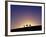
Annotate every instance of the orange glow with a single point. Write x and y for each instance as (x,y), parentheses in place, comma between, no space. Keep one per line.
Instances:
(25,21)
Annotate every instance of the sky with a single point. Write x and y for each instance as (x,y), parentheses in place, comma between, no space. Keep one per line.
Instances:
(22,15)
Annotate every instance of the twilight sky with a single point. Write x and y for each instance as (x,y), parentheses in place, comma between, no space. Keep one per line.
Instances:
(22,15)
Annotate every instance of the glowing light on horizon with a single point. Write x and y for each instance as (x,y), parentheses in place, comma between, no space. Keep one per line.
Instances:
(25,21)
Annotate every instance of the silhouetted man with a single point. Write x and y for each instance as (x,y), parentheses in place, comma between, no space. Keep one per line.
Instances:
(30,25)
